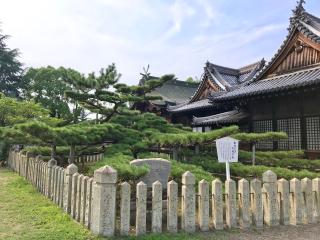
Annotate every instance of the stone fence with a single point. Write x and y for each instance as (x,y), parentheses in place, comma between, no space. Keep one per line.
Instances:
(105,206)
(89,158)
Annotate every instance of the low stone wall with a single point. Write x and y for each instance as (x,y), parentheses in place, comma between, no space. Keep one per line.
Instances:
(89,158)
(103,205)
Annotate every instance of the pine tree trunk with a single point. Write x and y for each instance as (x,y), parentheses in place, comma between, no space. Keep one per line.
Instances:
(53,151)
(72,154)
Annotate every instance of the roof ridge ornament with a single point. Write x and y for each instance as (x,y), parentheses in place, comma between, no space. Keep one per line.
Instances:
(298,14)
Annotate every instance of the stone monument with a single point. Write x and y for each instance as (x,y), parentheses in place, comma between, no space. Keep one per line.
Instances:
(159,170)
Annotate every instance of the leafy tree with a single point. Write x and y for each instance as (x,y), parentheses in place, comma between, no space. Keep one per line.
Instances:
(13,111)
(104,95)
(46,86)
(10,69)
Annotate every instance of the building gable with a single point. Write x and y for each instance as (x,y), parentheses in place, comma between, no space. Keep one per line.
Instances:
(298,53)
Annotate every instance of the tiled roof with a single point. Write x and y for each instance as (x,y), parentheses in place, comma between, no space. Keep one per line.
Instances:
(297,79)
(236,76)
(174,92)
(225,78)
(226,117)
(301,21)
(190,106)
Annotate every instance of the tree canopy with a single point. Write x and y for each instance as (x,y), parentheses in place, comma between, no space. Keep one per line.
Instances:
(11,81)
(46,86)
(104,95)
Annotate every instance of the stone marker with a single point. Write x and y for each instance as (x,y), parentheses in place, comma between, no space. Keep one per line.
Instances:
(104,201)
(67,189)
(203,205)
(295,201)
(306,186)
(188,205)
(217,204)
(159,170)
(244,203)
(270,199)
(156,207)
(172,207)
(125,209)
(283,199)
(141,203)
(316,202)
(231,203)
(256,203)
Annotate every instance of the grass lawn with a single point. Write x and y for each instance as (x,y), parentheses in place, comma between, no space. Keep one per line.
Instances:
(26,214)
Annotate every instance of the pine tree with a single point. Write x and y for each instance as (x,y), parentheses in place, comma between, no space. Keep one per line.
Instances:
(11,70)
(104,95)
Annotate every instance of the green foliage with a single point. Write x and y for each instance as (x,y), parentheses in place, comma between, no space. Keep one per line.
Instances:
(118,157)
(191,138)
(13,111)
(10,69)
(179,168)
(103,94)
(256,137)
(240,170)
(265,156)
(286,159)
(46,86)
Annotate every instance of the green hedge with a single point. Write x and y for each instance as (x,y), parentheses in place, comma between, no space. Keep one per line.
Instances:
(240,170)
(119,156)
(185,139)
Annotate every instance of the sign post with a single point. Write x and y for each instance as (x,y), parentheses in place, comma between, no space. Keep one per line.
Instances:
(228,150)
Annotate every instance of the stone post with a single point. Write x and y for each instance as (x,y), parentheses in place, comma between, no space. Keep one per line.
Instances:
(306,186)
(231,202)
(104,201)
(295,202)
(316,192)
(52,163)
(67,189)
(172,207)
(188,205)
(87,217)
(27,165)
(156,207)
(270,198)
(283,201)
(125,209)
(62,174)
(203,205)
(175,153)
(217,204)
(141,208)
(78,202)
(83,199)
(244,203)
(256,203)
(74,196)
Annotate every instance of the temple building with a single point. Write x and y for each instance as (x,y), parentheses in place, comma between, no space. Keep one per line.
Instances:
(215,79)
(173,92)
(282,95)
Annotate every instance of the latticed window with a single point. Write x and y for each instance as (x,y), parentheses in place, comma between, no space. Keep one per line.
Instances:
(292,127)
(261,127)
(313,133)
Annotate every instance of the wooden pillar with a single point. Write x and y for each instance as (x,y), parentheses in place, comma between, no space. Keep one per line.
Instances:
(303,125)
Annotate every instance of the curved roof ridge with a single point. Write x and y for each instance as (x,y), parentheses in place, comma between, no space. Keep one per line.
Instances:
(298,22)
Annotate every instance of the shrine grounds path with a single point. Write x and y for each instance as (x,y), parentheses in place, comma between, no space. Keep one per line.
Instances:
(26,214)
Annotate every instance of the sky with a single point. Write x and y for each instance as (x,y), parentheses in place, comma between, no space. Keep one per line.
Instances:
(172,36)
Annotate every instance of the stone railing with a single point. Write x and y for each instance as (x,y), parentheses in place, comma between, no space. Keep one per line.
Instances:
(96,203)
(89,158)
